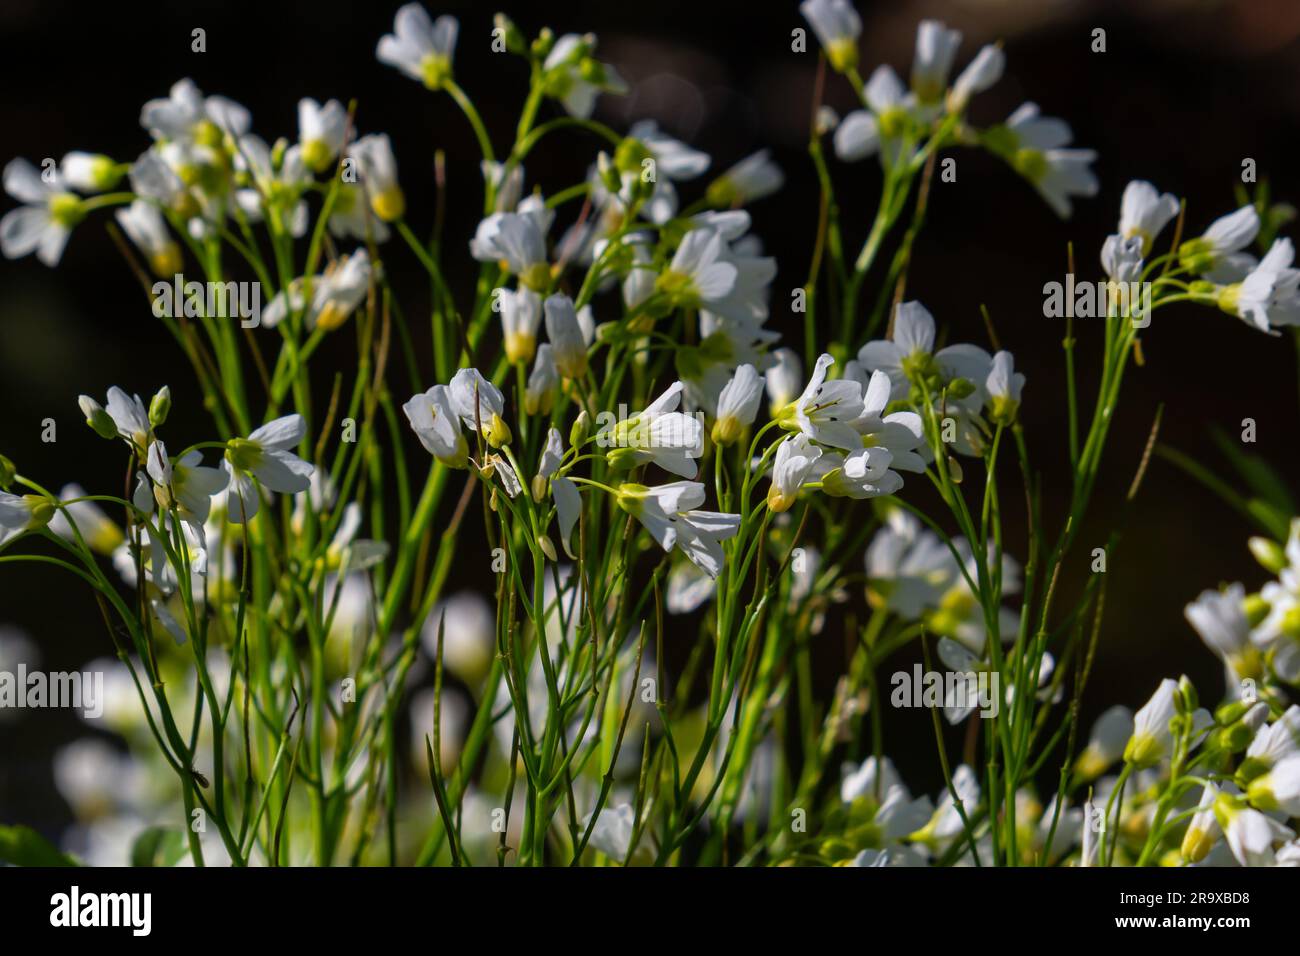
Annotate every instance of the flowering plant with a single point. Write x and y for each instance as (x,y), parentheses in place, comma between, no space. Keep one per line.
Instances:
(275,588)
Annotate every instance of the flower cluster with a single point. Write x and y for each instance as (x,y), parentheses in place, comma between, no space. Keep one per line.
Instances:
(613,386)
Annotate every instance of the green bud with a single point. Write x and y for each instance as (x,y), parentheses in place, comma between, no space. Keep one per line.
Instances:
(1270,554)
(7,472)
(160,406)
(97,418)
(581,427)
(1228,714)
(608,172)
(1187,699)
(542,45)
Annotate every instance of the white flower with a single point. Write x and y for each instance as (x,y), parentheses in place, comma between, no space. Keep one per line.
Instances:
(1122,258)
(871,779)
(886,126)
(1276,741)
(277,188)
(907,358)
(100,532)
(1278,788)
(437,425)
(980,74)
(265,456)
(419,47)
(521,314)
(1279,633)
(908,567)
(570,336)
(826,410)
(518,241)
(688,588)
(1034,146)
(131,417)
(899,433)
(46,218)
(335,295)
(936,47)
(575,79)
(186,483)
(145,227)
(1203,831)
(1152,736)
(350,216)
(782,380)
(659,434)
(480,405)
(864,473)
(152,179)
(837,26)
(1144,212)
(1003,386)
(751,179)
(1270,295)
(669,512)
(1217,254)
(737,405)
(1220,619)
(321,132)
(1106,742)
(698,275)
(378,168)
(673,161)
(90,172)
(791,468)
(22,513)
(543,382)
(186,116)
(1251,835)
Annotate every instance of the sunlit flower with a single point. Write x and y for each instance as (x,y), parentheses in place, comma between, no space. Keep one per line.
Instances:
(264,458)
(419,47)
(49,212)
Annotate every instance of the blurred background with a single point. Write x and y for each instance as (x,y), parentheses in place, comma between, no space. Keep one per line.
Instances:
(1185,90)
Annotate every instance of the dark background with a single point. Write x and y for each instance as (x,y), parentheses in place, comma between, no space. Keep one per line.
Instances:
(1184,92)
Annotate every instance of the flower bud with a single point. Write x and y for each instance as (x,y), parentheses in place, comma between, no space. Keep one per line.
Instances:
(7,472)
(160,406)
(1268,553)
(97,418)
(581,427)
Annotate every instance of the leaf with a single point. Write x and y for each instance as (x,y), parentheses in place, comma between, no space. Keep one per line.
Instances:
(158,846)
(23,846)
